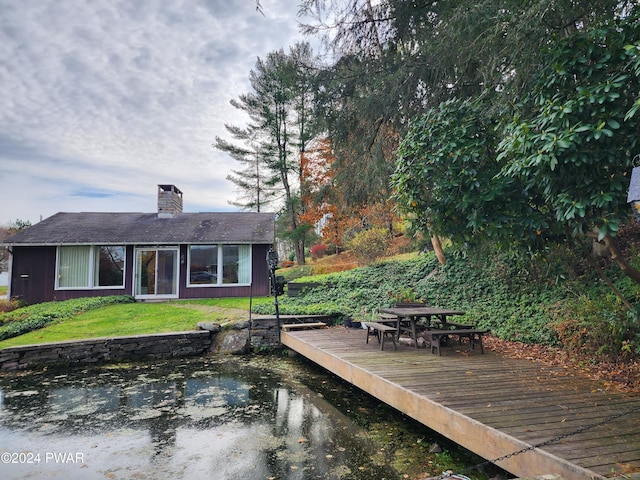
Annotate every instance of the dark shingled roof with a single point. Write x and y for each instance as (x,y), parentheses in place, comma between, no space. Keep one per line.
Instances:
(148,228)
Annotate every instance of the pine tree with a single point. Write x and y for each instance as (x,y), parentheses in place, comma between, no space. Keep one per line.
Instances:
(279,108)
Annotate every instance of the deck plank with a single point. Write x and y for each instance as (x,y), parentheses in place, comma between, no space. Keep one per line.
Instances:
(490,404)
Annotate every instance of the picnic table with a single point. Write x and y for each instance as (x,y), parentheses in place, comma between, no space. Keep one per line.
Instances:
(408,317)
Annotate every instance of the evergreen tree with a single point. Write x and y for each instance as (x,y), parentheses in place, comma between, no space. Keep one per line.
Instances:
(279,108)
(255,187)
(397,59)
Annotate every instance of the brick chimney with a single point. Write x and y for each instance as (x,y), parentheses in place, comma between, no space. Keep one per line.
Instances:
(169,201)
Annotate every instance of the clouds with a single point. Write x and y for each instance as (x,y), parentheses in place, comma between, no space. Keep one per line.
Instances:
(102,100)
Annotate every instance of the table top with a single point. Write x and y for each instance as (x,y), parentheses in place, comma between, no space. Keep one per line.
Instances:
(420,311)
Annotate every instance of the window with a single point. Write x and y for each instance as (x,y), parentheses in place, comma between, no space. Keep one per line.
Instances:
(230,264)
(203,264)
(219,265)
(109,268)
(73,267)
(157,271)
(91,267)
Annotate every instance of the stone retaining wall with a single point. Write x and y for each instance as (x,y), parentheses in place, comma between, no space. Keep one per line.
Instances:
(241,338)
(162,345)
(264,333)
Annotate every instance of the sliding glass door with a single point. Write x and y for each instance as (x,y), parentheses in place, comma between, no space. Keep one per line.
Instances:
(157,273)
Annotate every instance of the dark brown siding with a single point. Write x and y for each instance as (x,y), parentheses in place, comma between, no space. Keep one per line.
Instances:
(33,277)
(260,270)
(33,273)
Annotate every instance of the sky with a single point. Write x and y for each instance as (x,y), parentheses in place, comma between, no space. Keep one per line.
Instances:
(103,100)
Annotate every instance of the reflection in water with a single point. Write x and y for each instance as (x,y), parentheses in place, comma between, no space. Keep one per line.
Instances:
(192,419)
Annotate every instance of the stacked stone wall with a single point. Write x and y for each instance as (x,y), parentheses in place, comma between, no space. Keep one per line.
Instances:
(264,333)
(261,333)
(164,345)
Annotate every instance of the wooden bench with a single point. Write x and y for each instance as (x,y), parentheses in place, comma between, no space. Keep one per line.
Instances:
(390,321)
(456,325)
(474,335)
(381,332)
(303,326)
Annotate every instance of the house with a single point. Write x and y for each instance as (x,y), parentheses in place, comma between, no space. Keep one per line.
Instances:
(163,255)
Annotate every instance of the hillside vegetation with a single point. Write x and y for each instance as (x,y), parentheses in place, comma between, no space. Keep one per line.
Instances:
(556,299)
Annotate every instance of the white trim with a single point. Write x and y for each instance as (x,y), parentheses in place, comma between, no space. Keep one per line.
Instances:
(10,273)
(220,266)
(157,296)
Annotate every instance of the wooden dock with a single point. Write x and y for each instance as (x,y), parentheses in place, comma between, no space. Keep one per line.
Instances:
(490,404)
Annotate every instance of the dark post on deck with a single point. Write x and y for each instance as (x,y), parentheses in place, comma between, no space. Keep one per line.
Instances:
(272,262)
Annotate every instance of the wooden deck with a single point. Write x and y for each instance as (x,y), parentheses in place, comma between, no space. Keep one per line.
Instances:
(490,404)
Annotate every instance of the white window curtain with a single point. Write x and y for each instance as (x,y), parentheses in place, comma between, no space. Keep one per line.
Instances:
(244,263)
(73,267)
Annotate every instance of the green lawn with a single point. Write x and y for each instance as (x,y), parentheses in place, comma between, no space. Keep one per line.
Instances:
(136,319)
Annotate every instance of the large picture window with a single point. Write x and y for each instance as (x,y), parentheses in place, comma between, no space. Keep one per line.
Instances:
(219,265)
(109,267)
(96,266)
(203,264)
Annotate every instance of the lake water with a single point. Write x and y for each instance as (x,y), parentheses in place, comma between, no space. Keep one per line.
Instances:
(197,419)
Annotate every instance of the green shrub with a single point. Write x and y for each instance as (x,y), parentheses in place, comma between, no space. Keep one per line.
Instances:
(485,287)
(33,317)
(369,245)
(495,294)
(596,327)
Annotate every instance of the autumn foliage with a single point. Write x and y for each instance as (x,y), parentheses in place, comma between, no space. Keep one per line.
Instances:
(325,203)
(318,251)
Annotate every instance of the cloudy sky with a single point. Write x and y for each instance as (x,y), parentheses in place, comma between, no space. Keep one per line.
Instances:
(102,100)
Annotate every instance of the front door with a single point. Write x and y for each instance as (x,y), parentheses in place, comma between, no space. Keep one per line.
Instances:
(156,273)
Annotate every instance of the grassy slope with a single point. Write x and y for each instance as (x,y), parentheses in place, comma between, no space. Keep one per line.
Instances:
(136,319)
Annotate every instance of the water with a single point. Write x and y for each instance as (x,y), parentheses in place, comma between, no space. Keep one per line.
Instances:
(196,419)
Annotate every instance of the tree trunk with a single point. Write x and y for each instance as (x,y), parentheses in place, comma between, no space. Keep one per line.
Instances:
(612,245)
(437,247)
(608,281)
(299,248)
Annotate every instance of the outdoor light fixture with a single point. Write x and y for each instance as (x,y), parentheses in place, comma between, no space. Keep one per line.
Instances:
(633,197)
(272,262)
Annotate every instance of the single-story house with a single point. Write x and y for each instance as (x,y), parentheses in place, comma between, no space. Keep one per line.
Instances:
(163,255)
